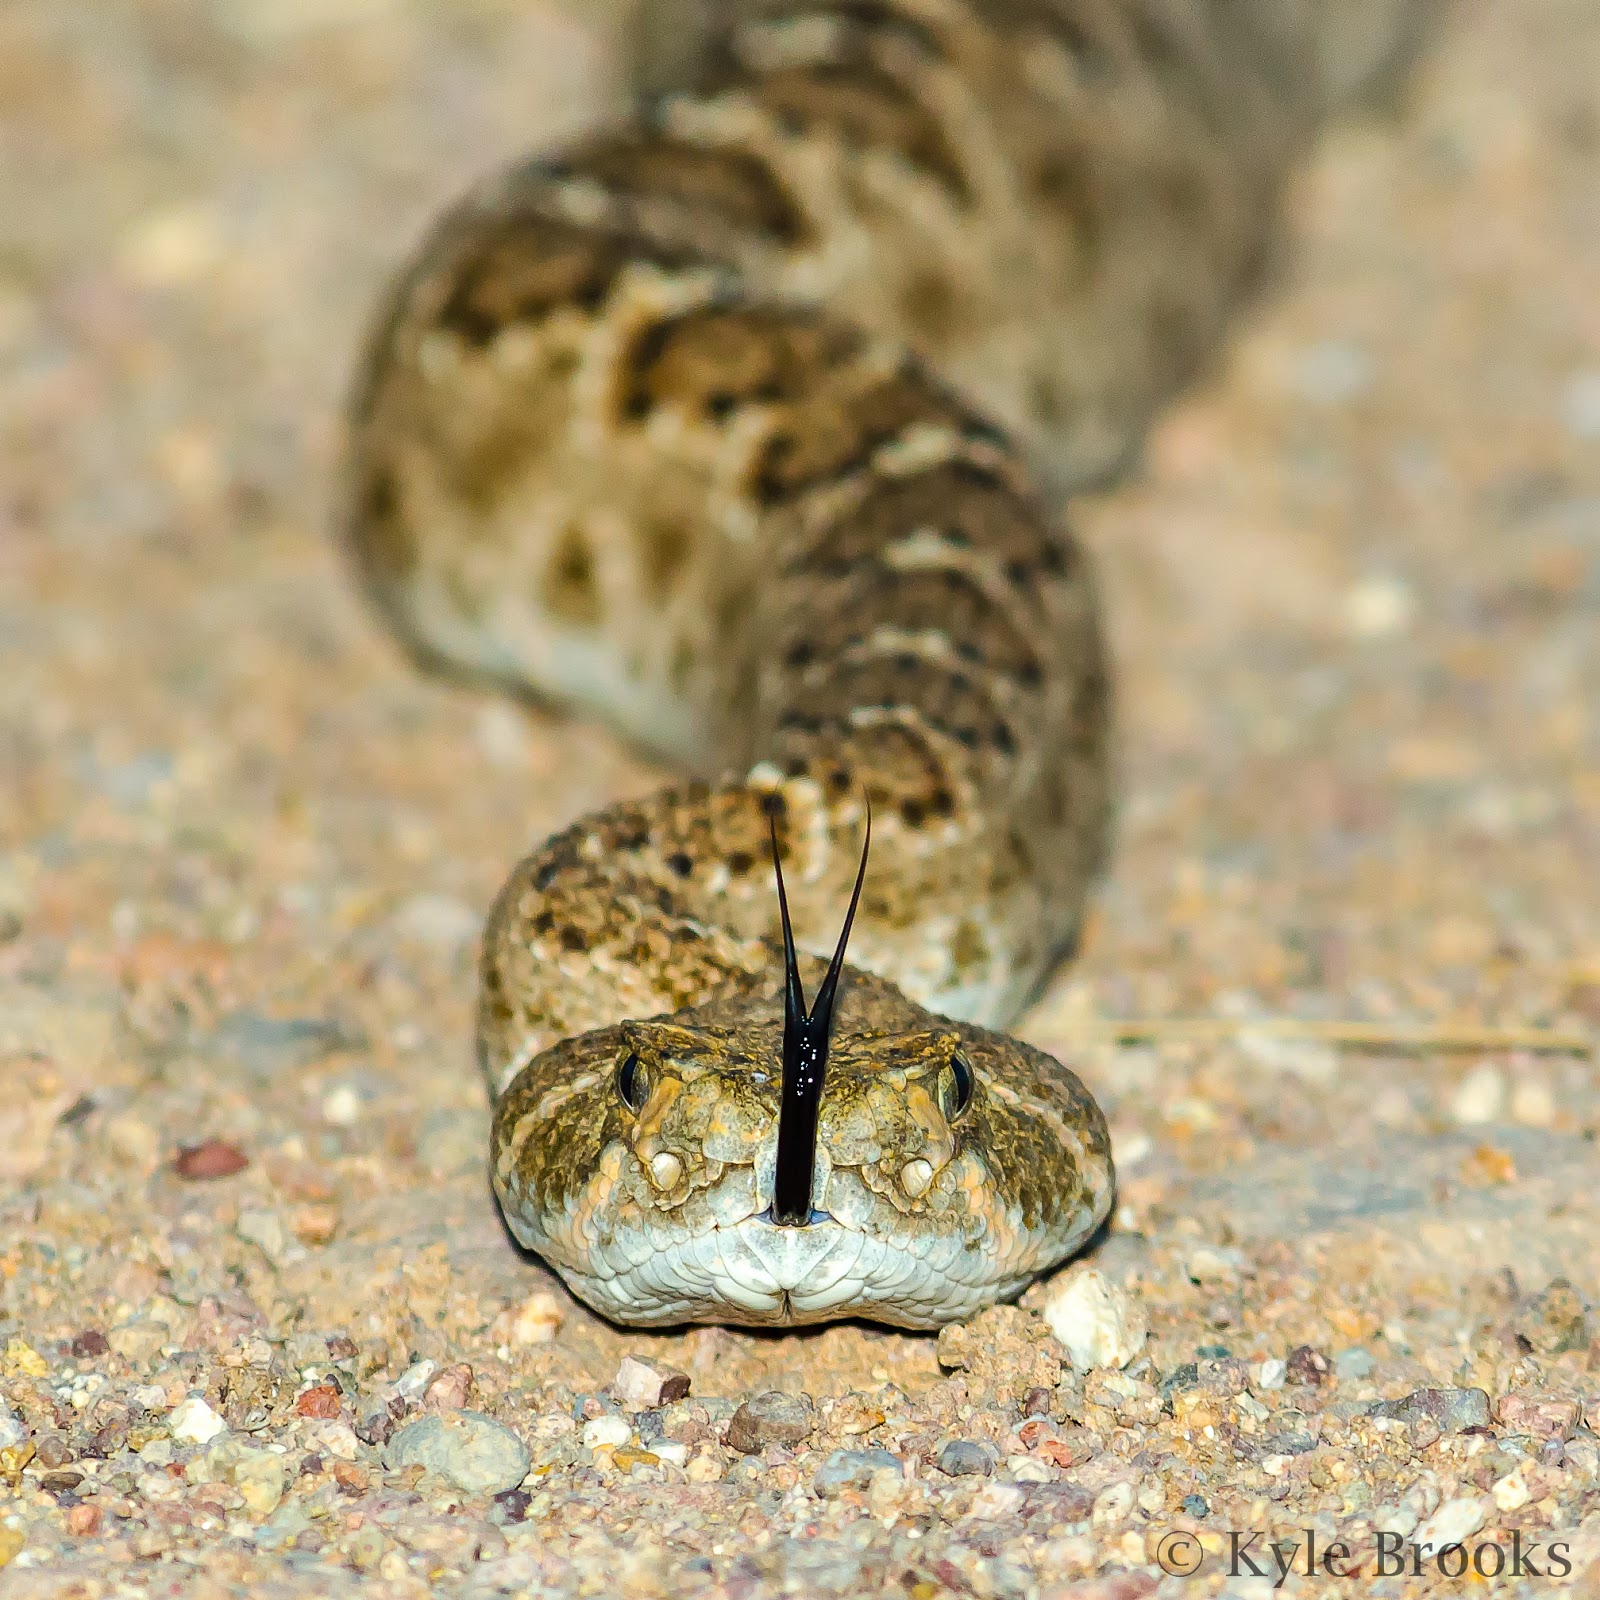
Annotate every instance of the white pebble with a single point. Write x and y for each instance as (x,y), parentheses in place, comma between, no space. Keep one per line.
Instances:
(1479,1097)
(640,1386)
(341,1106)
(997,1500)
(612,1431)
(1271,1374)
(1112,1505)
(1454,1521)
(1215,1264)
(194,1422)
(12,1429)
(1099,1323)
(1532,1103)
(337,1439)
(538,1319)
(1379,607)
(412,1383)
(1129,1146)
(1512,1493)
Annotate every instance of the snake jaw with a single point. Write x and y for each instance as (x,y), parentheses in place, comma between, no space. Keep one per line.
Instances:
(950,1166)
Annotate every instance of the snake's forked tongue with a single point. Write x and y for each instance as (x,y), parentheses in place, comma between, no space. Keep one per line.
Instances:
(805,1055)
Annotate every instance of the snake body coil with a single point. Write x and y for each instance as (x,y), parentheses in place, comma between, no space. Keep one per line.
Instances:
(736,427)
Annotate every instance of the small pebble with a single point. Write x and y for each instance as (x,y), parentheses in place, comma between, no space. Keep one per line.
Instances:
(449,1389)
(1454,1521)
(965,1458)
(1098,1322)
(12,1429)
(771,1418)
(538,1319)
(412,1384)
(1542,1415)
(1379,607)
(998,1500)
(194,1422)
(611,1431)
(213,1158)
(1511,1493)
(320,1400)
(342,1106)
(852,1469)
(1271,1374)
(259,1476)
(1480,1096)
(1554,1320)
(1450,1409)
(1532,1103)
(473,1451)
(1307,1366)
(641,1386)
(83,1521)
(1194,1505)
(1354,1363)
(510,1506)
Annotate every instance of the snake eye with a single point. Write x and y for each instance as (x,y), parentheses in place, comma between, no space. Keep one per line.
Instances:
(955,1087)
(633,1082)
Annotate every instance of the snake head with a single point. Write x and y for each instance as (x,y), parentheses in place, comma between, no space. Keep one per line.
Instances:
(951,1164)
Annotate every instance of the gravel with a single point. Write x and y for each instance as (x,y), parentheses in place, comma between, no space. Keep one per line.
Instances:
(476,1453)
(769,1419)
(244,846)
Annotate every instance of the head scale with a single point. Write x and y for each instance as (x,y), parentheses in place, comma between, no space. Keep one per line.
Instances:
(805,1055)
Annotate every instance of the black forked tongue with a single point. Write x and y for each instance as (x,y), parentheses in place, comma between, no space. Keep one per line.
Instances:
(805,1056)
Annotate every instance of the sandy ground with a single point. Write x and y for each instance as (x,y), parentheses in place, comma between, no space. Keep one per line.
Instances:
(244,849)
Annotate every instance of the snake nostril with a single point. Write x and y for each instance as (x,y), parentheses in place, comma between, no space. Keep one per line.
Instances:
(665,1169)
(915,1176)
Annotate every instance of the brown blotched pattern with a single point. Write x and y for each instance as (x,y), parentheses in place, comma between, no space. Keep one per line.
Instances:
(731,426)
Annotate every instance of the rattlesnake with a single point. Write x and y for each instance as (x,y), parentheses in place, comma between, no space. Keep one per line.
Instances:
(640,432)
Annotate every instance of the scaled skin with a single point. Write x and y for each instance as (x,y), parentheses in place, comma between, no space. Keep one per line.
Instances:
(743,427)
(930,1203)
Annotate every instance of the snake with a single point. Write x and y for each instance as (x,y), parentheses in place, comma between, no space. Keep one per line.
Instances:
(747,424)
